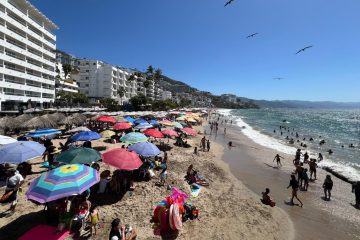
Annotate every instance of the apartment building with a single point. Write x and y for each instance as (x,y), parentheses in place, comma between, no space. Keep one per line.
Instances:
(27,58)
(65,83)
(166,95)
(102,80)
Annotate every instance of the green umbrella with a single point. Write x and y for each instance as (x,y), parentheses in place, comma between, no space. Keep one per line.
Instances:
(79,155)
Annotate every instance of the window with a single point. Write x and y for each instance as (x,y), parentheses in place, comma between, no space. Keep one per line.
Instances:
(87,78)
(94,64)
(87,71)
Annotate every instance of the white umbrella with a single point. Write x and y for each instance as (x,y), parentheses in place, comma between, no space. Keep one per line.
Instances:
(6,140)
(79,129)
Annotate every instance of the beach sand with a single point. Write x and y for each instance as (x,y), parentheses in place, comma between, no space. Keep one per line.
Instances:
(228,209)
(318,219)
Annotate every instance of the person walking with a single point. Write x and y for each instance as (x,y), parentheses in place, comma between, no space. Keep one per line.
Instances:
(295,188)
(13,183)
(356,190)
(278,160)
(208,145)
(327,185)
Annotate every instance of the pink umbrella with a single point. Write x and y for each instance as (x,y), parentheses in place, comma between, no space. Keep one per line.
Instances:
(189,131)
(122,126)
(106,119)
(170,132)
(154,133)
(122,159)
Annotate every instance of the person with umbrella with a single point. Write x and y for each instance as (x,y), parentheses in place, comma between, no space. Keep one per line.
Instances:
(13,183)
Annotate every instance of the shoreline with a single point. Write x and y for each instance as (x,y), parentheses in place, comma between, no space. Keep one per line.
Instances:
(249,160)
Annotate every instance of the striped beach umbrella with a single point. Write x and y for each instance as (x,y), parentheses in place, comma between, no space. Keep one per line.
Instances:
(133,137)
(62,182)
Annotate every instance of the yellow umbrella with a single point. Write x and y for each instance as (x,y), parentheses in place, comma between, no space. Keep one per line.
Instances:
(190,120)
(107,134)
(181,118)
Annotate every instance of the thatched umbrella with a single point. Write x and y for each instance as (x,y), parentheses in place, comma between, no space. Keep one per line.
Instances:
(23,118)
(39,122)
(80,116)
(69,120)
(58,116)
(7,123)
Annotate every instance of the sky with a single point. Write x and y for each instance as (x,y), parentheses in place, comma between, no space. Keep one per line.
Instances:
(204,44)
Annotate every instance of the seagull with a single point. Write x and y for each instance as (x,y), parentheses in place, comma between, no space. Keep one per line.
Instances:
(252,35)
(228,2)
(278,78)
(303,49)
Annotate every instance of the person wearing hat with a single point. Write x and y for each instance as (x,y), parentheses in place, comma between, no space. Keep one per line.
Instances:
(13,183)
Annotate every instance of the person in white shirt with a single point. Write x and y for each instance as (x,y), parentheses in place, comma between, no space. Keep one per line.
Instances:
(13,184)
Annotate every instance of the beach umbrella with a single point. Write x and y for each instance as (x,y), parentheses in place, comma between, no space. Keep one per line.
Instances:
(122,126)
(23,118)
(191,120)
(79,129)
(45,232)
(106,119)
(169,132)
(154,122)
(85,136)
(70,120)
(182,118)
(189,131)
(145,149)
(62,182)
(153,133)
(8,123)
(122,159)
(58,116)
(80,117)
(166,122)
(43,132)
(129,119)
(143,126)
(139,121)
(177,125)
(134,137)
(107,134)
(6,140)
(20,151)
(39,122)
(79,155)
(120,118)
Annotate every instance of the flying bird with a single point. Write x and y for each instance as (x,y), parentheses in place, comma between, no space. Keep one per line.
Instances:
(278,78)
(252,35)
(303,49)
(228,2)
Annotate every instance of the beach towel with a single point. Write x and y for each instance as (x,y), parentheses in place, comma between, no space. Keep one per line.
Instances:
(195,190)
(44,232)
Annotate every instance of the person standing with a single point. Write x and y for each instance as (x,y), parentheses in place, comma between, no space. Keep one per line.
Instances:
(278,160)
(312,165)
(356,190)
(13,183)
(202,143)
(327,185)
(224,131)
(295,188)
(208,145)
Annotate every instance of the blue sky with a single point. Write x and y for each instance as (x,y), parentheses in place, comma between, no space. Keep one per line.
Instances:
(203,44)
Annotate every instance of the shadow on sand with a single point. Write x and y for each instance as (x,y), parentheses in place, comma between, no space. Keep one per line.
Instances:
(274,167)
(22,224)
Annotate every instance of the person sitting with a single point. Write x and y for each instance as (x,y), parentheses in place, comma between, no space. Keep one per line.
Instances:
(119,232)
(266,198)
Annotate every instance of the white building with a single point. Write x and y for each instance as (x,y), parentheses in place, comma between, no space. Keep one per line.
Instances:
(101,80)
(65,83)
(166,95)
(27,58)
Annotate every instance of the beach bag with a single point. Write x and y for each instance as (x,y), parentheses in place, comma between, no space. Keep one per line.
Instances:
(5,197)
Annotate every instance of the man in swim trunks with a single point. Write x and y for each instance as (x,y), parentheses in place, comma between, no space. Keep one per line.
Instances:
(312,165)
(278,161)
(295,187)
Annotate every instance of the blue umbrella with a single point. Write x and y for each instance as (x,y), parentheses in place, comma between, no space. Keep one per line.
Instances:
(144,126)
(154,122)
(43,132)
(145,149)
(129,119)
(85,136)
(139,121)
(20,151)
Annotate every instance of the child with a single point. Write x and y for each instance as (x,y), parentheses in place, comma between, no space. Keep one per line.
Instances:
(94,219)
(163,175)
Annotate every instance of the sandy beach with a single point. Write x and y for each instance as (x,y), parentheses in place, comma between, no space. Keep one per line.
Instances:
(318,219)
(228,209)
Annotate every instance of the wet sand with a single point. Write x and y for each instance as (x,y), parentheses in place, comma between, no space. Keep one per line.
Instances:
(318,219)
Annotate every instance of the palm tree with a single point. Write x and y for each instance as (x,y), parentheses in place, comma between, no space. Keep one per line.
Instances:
(150,70)
(121,92)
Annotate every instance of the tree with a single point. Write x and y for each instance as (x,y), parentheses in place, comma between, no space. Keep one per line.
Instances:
(70,98)
(67,69)
(110,104)
(138,101)
(157,74)
(121,92)
(131,77)
(146,83)
(163,105)
(185,102)
(150,70)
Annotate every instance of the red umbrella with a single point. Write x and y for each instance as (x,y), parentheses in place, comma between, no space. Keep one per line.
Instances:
(154,133)
(189,131)
(170,132)
(106,119)
(122,126)
(122,159)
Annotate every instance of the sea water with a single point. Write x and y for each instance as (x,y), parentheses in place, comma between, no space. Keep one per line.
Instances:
(338,127)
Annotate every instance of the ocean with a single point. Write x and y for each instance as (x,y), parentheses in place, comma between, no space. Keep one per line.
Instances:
(338,127)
